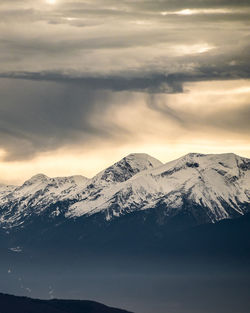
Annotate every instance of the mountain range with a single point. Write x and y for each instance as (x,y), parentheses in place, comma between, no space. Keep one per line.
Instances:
(208,188)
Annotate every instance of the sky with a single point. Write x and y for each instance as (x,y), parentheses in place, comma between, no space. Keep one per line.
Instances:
(84,83)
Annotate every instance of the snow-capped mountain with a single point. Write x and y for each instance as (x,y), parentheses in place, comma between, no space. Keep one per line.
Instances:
(207,187)
(35,195)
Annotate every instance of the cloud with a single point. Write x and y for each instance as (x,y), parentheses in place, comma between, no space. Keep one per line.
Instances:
(40,116)
(223,108)
(66,68)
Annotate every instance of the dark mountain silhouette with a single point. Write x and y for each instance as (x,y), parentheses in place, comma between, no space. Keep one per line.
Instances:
(13,304)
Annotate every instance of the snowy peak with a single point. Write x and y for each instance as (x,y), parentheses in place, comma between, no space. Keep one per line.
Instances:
(36,179)
(142,161)
(56,186)
(214,171)
(220,183)
(74,180)
(229,161)
(36,194)
(127,168)
(41,180)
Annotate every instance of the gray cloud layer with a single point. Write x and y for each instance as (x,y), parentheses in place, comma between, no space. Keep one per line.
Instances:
(61,64)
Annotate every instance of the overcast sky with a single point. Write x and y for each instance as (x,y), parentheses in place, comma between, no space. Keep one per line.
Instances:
(84,83)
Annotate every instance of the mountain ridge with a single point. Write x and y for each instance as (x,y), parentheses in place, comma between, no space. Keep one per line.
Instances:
(13,304)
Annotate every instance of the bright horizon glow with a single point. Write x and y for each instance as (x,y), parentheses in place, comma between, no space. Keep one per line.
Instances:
(91,163)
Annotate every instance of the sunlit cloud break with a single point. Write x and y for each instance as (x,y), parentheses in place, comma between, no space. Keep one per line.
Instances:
(202,11)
